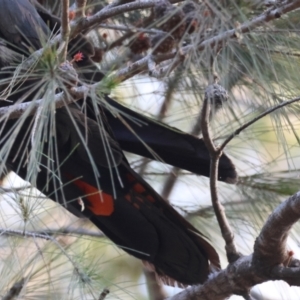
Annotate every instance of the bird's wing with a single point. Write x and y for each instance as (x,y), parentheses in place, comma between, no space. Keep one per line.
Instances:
(149,138)
(21,25)
(144,136)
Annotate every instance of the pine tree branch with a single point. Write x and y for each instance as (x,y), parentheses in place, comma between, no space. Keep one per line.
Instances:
(86,24)
(65,30)
(215,154)
(270,260)
(30,108)
(49,233)
(254,120)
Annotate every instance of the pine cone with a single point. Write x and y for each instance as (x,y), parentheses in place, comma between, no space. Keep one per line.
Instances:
(189,7)
(191,16)
(191,23)
(197,16)
(217,96)
(162,43)
(175,24)
(171,18)
(161,8)
(140,44)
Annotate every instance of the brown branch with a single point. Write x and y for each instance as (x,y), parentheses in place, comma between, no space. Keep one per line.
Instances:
(289,275)
(274,237)
(141,65)
(205,117)
(215,154)
(65,29)
(268,261)
(233,280)
(217,40)
(246,27)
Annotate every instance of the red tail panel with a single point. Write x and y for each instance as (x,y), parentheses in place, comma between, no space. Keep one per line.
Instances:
(100,203)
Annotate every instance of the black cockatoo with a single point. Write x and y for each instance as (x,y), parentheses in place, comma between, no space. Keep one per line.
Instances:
(76,157)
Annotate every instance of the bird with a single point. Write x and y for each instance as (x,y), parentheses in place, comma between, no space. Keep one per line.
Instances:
(76,157)
(160,141)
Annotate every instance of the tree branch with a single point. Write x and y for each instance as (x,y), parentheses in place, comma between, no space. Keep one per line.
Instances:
(86,24)
(65,30)
(47,234)
(274,234)
(266,263)
(215,154)
(61,99)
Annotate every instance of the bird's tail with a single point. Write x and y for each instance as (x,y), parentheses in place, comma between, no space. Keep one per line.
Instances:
(147,227)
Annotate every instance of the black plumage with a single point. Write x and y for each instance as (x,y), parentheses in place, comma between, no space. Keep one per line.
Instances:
(77,158)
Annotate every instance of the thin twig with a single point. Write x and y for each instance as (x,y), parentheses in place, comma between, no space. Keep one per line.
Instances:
(142,24)
(205,113)
(77,93)
(215,154)
(141,65)
(61,99)
(65,30)
(45,237)
(23,233)
(166,70)
(281,52)
(14,189)
(47,234)
(131,29)
(254,120)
